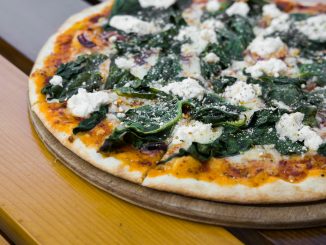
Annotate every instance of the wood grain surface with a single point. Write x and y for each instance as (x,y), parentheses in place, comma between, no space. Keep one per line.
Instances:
(43,201)
(3,241)
(234,215)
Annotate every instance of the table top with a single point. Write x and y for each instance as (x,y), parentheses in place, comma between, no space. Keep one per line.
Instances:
(41,201)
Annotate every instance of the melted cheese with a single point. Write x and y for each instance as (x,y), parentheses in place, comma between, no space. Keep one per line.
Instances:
(186,89)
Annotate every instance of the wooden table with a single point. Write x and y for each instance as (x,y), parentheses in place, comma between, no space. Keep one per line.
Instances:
(41,201)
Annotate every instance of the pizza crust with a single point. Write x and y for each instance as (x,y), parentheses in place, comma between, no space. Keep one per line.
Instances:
(310,189)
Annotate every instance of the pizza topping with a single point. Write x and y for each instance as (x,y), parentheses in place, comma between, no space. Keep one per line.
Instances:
(265,47)
(314,27)
(291,126)
(213,6)
(241,92)
(273,67)
(272,11)
(83,103)
(131,24)
(138,69)
(156,3)
(186,89)
(185,134)
(211,58)
(238,8)
(56,80)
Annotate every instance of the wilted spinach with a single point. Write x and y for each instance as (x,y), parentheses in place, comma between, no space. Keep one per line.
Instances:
(91,122)
(81,73)
(315,70)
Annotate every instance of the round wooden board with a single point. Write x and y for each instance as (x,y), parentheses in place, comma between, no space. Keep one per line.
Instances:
(287,216)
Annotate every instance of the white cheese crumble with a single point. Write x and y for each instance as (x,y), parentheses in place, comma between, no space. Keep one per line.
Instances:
(193,14)
(186,89)
(200,38)
(280,24)
(273,67)
(129,24)
(156,3)
(83,103)
(272,11)
(213,6)
(265,47)
(314,27)
(239,8)
(194,131)
(56,80)
(235,70)
(290,126)
(138,70)
(241,92)
(211,58)
(258,152)
(190,64)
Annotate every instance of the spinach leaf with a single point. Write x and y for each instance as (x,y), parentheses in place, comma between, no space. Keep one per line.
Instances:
(143,92)
(232,41)
(125,136)
(81,73)
(83,63)
(221,83)
(94,119)
(322,149)
(118,77)
(167,68)
(145,125)
(256,7)
(315,70)
(265,117)
(294,38)
(215,110)
(309,112)
(150,119)
(128,7)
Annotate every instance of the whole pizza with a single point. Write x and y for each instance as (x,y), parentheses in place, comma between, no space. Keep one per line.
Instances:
(220,100)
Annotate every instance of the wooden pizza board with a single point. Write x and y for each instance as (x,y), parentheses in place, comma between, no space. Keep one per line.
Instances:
(286,216)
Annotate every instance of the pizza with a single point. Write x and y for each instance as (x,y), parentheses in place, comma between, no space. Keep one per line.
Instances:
(219,100)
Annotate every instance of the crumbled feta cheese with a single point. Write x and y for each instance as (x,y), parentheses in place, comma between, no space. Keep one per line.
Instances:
(281,105)
(83,103)
(194,131)
(272,11)
(239,8)
(56,80)
(258,152)
(186,89)
(314,27)
(265,47)
(211,58)
(138,70)
(124,63)
(129,24)
(213,6)
(290,126)
(235,70)
(241,92)
(200,38)
(156,3)
(280,24)
(193,14)
(273,67)
(212,24)
(310,138)
(190,63)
